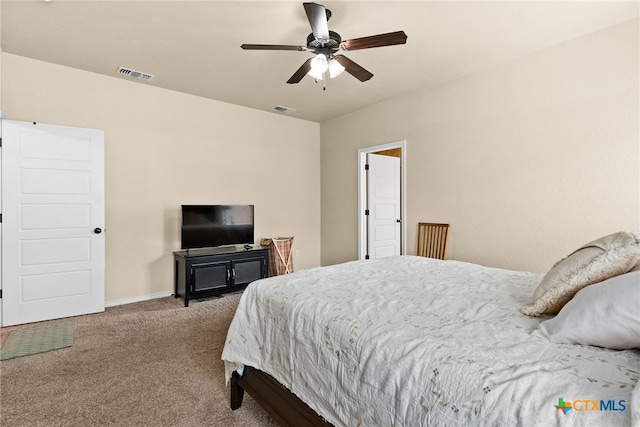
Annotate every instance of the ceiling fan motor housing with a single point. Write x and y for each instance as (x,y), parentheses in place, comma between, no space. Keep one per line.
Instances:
(333,44)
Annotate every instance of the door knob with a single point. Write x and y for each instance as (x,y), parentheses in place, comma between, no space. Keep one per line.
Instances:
(97,230)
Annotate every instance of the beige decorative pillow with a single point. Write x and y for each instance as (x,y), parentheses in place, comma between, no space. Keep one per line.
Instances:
(592,263)
(565,268)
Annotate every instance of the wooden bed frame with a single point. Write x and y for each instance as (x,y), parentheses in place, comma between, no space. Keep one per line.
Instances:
(285,407)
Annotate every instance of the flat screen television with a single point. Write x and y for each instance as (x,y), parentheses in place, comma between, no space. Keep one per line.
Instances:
(205,226)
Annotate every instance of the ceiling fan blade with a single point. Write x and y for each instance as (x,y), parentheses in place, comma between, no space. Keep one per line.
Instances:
(317,15)
(302,71)
(380,40)
(352,68)
(271,47)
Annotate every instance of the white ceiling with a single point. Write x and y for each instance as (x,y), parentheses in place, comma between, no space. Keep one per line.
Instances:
(194,46)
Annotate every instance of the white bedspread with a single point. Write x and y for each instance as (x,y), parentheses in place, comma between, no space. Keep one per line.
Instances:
(411,341)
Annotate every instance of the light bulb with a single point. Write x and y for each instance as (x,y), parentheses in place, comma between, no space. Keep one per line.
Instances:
(316,74)
(335,68)
(319,65)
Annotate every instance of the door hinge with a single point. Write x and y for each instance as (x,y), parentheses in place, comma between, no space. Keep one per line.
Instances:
(0,217)
(366,167)
(366,257)
(0,293)
(366,212)
(0,141)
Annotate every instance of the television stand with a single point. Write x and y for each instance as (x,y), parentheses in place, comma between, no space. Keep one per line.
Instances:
(209,272)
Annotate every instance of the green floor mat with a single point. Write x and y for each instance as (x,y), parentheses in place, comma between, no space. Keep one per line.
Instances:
(37,339)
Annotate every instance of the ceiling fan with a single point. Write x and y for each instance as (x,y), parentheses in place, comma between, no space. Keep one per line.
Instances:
(325,44)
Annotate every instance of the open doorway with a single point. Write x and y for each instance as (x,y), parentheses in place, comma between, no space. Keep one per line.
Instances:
(381,200)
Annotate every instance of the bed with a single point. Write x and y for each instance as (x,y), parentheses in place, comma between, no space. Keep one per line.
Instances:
(413,341)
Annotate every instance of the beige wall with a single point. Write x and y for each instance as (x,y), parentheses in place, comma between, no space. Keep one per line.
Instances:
(164,149)
(526,160)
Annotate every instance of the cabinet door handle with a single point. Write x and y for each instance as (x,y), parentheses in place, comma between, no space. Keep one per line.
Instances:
(228,275)
(233,273)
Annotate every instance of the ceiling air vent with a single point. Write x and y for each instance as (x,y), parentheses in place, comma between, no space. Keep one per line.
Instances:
(128,72)
(285,110)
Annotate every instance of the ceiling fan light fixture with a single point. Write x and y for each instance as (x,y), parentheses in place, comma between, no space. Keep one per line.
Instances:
(335,68)
(319,66)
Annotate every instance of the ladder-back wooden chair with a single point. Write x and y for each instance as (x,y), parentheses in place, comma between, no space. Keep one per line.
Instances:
(432,240)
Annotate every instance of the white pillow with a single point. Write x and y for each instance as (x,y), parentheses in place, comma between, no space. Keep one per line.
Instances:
(606,314)
(594,262)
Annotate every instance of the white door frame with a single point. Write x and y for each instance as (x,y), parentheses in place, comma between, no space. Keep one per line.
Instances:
(362,194)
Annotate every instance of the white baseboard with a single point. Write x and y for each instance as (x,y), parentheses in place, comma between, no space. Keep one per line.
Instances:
(137,299)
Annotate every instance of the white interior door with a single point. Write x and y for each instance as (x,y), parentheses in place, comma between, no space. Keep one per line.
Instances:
(52,219)
(383,188)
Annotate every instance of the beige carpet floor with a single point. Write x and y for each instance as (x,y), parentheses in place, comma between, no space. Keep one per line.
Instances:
(154,363)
